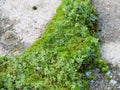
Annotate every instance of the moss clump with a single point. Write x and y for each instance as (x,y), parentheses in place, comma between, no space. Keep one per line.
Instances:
(102,65)
(67,48)
(91,77)
(107,77)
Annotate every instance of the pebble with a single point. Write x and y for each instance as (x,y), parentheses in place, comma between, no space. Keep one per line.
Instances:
(118,87)
(113,82)
(38,69)
(88,73)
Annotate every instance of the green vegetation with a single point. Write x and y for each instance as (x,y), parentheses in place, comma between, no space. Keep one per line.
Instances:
(58,60)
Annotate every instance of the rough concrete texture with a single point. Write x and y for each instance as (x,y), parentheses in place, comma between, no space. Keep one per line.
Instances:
(27,18)
(109,35)
(109,25)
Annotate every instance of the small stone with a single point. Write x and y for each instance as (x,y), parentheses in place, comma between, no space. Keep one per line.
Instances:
(113,82)
(109,73)
(118,87)
(92,81)
(98,70)
(88,73)
(108,88)
(38,69)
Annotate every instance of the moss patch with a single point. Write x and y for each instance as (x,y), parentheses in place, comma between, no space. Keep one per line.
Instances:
(57,60)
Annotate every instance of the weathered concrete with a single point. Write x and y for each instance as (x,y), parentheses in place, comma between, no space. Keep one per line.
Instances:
(109,35)
(109,25)
(27,18)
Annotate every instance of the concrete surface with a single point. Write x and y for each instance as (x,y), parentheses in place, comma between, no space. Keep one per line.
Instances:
(109,26)
(27,18)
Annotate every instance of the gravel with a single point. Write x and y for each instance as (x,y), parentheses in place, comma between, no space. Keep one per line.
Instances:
(27,18)
(105,81)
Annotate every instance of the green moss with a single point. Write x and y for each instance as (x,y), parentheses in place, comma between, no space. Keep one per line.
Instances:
(105,69)
(68,47)
(91,77)
(107,77)
(102,65)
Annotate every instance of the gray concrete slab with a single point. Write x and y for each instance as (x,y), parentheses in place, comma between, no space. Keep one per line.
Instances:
(109,26)
(27,18)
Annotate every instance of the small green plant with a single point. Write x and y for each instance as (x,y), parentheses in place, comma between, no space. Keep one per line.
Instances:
(102,65)
(91,77)
(107,77)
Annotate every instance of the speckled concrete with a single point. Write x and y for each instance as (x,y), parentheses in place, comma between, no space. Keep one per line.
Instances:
(109,26)
(27,18)
(109,35)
